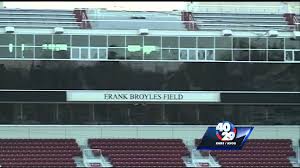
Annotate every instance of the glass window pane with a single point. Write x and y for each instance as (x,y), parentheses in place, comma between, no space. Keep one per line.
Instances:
(292,43)
(134,53)
(84,53)
(98,41)
(205,42)
(223,42)
(276,55)
(192,54)
(289,56)
(6,39)
(258,43)
(116,41)
(62,54)
(297,55)
(24,52)
(152,41)
(187,42)
(61,40)
(75,53)
(210,55)
(183,54)
(116,53)
(152,48)
(258,55)
(223,55)
(60,47)
(94,53)
(41,40)
(41,52)
(201,54)
(7,52)
(170,42)
(241,42)
(241,55)
(102,53)
(153,55)
(275,43)
(170,54)
(25,39)
(134,40)
(80,40)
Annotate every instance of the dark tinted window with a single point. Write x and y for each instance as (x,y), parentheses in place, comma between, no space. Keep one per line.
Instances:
(6,39)
(258,43)
(80,41)
(116,41)
(223,55)
(223,42)
(187,42)
(275,43)
(170,42)
(241,55)
(98,41)
(241,43)
(205,42)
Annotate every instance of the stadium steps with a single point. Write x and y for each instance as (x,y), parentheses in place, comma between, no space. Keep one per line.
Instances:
(241,22)
(37,18)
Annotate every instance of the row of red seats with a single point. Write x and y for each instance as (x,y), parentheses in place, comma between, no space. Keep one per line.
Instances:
(256,163)
(253,152)
(249,155)
(254,159)
(37,140)
(146,159)
(126,164)
(12,159)
(138,143)
(141,155)
(135,140)
(71,164)
(38,147)
(138,147)
(37,155)
(182,152)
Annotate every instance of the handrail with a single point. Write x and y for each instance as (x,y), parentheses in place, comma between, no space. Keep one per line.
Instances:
(237,9)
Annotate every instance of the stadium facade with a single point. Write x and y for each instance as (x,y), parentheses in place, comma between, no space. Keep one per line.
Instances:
(147,74)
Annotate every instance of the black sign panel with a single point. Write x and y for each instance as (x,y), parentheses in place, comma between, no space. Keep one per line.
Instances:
(32,96)
(260,98)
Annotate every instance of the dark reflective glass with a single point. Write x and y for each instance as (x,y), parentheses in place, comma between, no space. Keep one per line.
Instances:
(143,114)
(275,43)
(6,39)
(205,42)
(98,41)
(275,55)
(292,43)
(170,42)
(241,42)
(116,41)
(80,40)
(223,55)
(148,75)
(223,42)
(258,43)
(258,55)
(241,55)
(116,53)
(188,42)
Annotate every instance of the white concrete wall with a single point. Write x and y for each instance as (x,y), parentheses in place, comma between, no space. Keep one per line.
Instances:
(185,132)
(1,4)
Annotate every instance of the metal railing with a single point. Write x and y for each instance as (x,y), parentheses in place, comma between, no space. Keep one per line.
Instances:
(237,9)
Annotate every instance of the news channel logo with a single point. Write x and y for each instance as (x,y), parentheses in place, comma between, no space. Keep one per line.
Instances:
(225,136)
